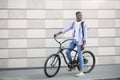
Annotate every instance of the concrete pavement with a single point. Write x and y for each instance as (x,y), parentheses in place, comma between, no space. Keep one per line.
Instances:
(99,73)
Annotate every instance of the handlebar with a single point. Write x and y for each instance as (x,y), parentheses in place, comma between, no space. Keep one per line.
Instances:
(56,40)
(61,42)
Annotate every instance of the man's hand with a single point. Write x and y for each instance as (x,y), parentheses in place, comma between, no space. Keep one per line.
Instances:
(55,35)
(82,47)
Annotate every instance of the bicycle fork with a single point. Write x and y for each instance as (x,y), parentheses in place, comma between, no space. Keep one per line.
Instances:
(54,61)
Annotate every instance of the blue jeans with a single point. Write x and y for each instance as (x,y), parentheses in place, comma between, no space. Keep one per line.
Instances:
(72,45)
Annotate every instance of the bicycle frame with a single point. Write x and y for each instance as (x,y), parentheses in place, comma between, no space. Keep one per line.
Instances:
(61,50)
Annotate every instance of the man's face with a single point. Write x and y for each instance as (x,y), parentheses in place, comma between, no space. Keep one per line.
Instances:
(79,16)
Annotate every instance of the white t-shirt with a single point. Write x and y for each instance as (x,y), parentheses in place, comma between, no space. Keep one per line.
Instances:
(77,27)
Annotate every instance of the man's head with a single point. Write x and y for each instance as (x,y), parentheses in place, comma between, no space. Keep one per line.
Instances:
(78,15)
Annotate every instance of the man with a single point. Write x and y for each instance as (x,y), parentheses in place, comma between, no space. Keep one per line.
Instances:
(79,36)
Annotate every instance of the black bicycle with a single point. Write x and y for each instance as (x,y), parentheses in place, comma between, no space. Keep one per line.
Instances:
(53,63)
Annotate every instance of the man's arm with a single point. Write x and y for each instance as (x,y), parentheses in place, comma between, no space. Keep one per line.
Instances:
(85,32)
(55,35)
(67,28)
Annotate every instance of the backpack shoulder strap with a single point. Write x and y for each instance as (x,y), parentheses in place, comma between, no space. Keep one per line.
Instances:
(82,29)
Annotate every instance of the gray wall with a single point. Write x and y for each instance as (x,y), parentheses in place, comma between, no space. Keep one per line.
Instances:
(27,28)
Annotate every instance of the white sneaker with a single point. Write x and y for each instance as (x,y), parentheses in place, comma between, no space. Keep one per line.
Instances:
(80,74)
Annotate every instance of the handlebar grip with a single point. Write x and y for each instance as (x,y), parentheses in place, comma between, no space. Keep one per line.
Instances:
(54,35)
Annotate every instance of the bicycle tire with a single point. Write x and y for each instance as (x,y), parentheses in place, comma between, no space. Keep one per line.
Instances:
(58,67)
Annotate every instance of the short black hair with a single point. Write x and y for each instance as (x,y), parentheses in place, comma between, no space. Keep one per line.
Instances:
(78,12)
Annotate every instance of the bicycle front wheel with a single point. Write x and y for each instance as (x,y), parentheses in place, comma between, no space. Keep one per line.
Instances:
(52,65)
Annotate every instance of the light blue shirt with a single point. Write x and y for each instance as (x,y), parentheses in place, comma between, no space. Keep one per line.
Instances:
(75,34)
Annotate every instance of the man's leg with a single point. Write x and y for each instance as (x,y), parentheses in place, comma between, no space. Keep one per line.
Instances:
(80,57)
(71,46)
(81,61)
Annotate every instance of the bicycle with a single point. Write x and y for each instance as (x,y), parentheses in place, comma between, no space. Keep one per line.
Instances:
(53,62)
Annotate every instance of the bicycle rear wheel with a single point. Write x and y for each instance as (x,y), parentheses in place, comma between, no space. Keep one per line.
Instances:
(52,65)
(88,60)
